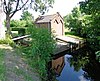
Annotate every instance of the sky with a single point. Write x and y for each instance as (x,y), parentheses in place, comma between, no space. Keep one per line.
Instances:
(64,7)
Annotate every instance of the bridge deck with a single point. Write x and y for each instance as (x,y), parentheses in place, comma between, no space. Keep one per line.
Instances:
(67,44)
(19,38)
(70,39)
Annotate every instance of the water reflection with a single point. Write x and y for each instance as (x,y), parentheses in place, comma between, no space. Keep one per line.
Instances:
(58,64)
(78,66)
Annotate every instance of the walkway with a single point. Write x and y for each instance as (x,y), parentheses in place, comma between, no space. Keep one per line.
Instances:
(68,44)
(16,68)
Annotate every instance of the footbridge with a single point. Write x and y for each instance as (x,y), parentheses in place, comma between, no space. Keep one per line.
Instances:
(68,44)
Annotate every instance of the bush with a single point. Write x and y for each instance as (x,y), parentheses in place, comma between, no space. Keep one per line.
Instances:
(7,40)
(41,49)
(21,30)
(17,23)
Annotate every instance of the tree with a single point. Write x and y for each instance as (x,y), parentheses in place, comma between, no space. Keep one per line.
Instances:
(73,21)
(92,7)
(27,17)
(10,7)
(25,20)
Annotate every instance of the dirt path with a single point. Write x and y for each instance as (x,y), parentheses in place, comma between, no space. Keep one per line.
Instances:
(16,68)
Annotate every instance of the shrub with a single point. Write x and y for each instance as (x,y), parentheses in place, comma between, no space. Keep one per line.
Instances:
(21,30)
(7,40)
(17,23)
(41,49)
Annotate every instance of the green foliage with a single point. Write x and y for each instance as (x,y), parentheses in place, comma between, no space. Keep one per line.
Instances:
(21,23)
(41,48)
(21,30)
(43,42)
(79,59)
(69,33)
(7,40)
(43,5)
(79,24)
(26,16)
(79,63)
(17,23)
(98,55)
(85,23)
(73,21)
(92,7)
(2,67)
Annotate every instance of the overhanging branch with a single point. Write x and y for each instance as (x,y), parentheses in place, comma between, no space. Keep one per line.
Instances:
(17,9)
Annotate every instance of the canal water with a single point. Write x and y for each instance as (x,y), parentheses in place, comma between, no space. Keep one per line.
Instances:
(78,66)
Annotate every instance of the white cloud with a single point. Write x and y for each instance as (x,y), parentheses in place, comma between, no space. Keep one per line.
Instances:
(82,78)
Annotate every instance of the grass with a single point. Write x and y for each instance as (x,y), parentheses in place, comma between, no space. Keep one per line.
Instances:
(71,34)
(2,67)
(20,72)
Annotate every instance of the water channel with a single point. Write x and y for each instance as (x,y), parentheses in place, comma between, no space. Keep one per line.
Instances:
(80,65)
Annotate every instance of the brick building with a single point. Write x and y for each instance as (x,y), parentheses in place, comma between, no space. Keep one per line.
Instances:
(53,22)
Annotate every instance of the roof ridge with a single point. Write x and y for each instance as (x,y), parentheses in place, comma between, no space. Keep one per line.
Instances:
(47,15)
(47,18)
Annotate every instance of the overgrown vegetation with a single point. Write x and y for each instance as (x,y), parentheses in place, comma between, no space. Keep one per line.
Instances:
(84,22)
(7,40)
(21,30)
(73,22)
(40,50)
(2,67)
(91,7)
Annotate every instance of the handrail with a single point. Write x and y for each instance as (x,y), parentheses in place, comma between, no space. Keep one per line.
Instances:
(21,37)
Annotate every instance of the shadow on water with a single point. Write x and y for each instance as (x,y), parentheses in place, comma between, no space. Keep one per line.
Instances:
(81,65)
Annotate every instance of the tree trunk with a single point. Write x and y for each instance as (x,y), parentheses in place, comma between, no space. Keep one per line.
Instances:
(8,24)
